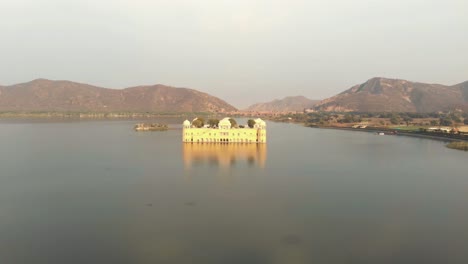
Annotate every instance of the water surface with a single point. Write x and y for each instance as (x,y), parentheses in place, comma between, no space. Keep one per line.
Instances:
(98,192)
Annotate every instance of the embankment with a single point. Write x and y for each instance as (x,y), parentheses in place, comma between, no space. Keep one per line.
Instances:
(428,135)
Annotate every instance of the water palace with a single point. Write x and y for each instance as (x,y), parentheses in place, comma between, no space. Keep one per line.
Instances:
(224,132)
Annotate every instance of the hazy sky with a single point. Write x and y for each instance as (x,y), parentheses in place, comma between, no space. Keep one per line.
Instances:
(243,51)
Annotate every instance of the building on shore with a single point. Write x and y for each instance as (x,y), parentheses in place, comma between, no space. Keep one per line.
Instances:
(224,132)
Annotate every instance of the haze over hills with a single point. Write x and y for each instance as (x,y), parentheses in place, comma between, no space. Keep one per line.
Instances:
(48,95)
(287,104)
(375,95)
(386,95)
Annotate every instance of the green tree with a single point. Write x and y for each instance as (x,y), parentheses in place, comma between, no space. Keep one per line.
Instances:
(446,121)
(456,118)
(251,123)
(395,120)
(433,122)
(213,122)
(348,118)
(407,119)
(233,122)
(198,122)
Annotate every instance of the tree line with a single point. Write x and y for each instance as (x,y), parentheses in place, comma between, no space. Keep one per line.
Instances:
(199,122)
(395,118)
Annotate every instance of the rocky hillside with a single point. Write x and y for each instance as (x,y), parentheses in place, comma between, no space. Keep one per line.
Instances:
(47,95)
(287,104)
(381,94)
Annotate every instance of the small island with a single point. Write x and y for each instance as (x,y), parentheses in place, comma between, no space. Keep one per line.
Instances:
(150,127)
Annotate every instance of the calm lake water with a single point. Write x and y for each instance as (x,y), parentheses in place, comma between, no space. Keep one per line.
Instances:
(98,192)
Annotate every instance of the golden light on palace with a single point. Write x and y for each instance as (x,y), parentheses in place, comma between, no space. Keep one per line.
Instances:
(224,142)
(224,132)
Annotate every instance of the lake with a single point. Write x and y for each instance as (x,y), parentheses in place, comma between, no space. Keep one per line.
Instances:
(98,192)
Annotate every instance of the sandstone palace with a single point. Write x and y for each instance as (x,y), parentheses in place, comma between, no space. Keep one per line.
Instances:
(226,131)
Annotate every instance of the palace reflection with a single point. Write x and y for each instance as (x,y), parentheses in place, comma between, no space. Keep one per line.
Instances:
(224,155)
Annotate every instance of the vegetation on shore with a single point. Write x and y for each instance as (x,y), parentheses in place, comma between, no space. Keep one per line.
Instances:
(445,126)
(385,119)
(461,145)
(214,123)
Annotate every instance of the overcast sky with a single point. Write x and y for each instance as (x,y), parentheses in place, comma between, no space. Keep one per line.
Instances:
(243,51)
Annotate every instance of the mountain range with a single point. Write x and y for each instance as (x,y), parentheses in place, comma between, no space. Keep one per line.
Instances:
(48,95)
(374,95)
(287,104)
(387,95)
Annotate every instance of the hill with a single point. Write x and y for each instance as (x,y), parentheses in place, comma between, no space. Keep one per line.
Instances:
(386,95)
(287,104)
(47,95)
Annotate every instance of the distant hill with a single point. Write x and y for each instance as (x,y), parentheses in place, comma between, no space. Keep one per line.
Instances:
(287,104)
(47,95)
(381,94)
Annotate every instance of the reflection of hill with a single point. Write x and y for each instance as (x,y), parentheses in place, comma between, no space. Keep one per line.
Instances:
(224,155)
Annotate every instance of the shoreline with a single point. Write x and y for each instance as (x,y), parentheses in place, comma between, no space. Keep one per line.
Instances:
(98,115)
(446,138)
(138,116)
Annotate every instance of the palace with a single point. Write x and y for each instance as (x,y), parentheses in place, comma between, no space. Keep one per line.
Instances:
(224,132)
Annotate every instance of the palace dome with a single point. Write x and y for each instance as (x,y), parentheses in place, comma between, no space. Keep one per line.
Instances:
(260,122)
